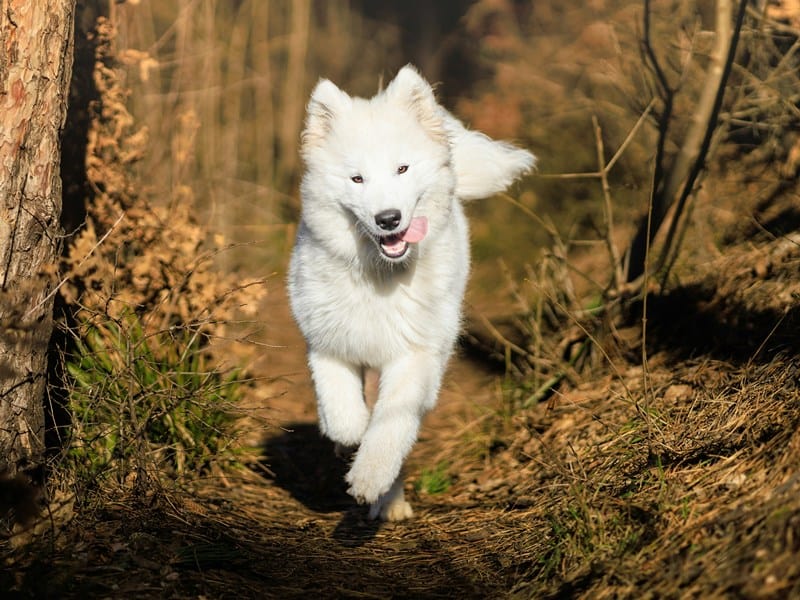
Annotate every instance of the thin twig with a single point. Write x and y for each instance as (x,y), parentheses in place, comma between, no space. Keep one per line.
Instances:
(631,134)
(588,175)
(54,291)
(645,365)
(607,205)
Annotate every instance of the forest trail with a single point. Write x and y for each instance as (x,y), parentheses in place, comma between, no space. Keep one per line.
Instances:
(579,497)
(469,394)
(304,490)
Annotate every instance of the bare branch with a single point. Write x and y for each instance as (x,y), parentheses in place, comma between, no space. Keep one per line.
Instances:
(690,161)
(64,280)
(702,133)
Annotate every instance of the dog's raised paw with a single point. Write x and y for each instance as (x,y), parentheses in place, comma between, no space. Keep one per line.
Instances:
(364,494)
(367,483)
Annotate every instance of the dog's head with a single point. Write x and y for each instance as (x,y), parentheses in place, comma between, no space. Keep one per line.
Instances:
(391,166)
(383,163)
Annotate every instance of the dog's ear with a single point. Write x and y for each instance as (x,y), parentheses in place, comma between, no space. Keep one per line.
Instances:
(326,102)
(411,90)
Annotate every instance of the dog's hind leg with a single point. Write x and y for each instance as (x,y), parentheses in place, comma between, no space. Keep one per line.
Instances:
(343,415)
(392,506)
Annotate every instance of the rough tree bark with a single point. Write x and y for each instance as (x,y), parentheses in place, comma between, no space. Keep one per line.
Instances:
(35,68)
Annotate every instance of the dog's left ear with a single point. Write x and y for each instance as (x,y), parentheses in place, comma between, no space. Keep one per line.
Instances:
(410,89)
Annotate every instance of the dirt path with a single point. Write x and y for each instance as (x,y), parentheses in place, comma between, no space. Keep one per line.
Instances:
(588,498)
(332,545)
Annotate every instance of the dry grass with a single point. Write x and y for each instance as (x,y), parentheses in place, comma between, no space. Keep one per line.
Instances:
(589,495)
(684,501)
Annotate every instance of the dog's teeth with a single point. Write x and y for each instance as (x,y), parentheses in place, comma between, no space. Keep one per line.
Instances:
(393,247)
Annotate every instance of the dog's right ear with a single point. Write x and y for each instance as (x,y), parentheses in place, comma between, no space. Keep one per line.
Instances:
(326,102)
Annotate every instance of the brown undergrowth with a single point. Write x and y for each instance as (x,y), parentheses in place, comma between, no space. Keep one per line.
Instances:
(675,480)
(143,392)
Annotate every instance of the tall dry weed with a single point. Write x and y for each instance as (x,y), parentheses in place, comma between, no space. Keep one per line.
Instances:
(147,389)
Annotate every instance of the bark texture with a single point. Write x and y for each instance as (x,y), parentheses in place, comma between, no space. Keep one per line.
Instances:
(35,68)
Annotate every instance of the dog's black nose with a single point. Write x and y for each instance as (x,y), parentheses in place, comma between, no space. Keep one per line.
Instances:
(388,219)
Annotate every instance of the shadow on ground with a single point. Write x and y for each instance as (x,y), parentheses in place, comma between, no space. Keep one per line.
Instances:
(304,464)
(694,320)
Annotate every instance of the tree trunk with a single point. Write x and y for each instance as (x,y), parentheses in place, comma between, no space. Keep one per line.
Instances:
(35,68)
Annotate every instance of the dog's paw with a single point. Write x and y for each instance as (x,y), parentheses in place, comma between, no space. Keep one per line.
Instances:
(364,491)
(396,509)
(367,484)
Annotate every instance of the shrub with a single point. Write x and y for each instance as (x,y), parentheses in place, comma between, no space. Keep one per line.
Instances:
(142,400)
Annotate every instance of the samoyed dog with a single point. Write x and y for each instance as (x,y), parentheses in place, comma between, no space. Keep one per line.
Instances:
(378,270)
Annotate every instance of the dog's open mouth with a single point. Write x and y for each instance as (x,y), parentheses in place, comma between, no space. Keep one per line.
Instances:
(396,245)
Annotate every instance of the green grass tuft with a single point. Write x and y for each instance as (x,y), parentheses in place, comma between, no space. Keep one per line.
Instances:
(142,400)
(434,481)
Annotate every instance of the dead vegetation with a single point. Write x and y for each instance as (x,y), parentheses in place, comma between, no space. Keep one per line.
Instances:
(582,447)
(676,482)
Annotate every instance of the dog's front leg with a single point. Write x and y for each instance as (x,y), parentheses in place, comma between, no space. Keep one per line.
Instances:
(343,414)
(408,388)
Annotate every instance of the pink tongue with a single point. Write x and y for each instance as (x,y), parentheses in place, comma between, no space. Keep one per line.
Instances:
(416,230)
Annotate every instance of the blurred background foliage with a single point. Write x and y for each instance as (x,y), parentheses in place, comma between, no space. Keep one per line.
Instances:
(220,87)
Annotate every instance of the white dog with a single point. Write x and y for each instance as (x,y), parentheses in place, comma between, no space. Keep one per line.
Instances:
(378,271)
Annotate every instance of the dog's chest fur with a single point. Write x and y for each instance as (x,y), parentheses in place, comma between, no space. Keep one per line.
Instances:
(367,317)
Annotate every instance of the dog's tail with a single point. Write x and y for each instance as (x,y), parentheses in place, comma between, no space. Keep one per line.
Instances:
(484,166)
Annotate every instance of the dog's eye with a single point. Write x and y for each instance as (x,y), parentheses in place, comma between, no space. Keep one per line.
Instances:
(357,179)
(402,169)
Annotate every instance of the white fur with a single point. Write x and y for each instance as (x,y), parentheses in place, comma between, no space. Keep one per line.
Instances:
(358,308)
